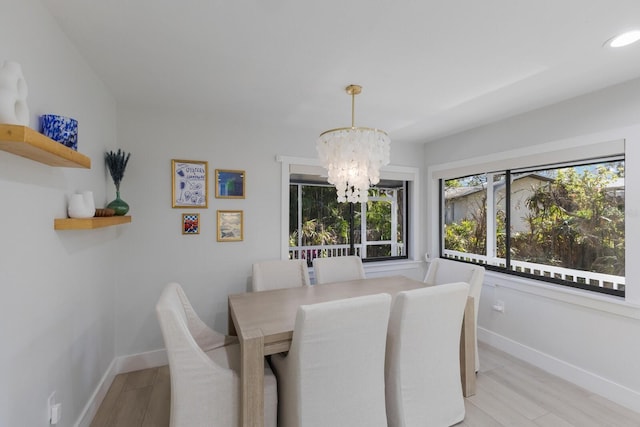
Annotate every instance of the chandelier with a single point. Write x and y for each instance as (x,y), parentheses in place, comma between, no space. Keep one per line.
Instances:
(353,156)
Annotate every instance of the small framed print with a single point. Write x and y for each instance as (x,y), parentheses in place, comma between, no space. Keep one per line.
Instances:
(189,184)
(191,223)
(230,226)
(229,184)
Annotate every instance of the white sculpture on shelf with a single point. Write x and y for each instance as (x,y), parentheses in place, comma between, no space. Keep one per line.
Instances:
(13,95)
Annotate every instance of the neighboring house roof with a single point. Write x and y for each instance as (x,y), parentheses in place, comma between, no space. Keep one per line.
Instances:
(457,192)
(618,183)
(453,193)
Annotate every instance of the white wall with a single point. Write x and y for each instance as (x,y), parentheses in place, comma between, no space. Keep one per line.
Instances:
(57,307)
(585,338)
(155,252)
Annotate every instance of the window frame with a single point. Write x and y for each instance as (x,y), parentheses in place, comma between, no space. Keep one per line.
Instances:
(363,244)
(510,267)
(624,140)
(402,173)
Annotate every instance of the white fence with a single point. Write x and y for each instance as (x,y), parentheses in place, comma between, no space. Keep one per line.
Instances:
(589,278)
(325,251)
(321,251)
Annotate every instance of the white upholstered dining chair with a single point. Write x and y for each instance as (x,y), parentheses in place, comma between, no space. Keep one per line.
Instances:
(278,274)
(333,374)
(422,366)
(338,269)
(442,271)
(206,338)
(205,385)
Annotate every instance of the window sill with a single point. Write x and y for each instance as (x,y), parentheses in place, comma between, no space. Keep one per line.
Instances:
(579,297)
(392,265)
(382,268)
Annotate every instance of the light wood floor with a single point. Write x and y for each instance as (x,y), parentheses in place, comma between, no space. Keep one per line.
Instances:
(509,393)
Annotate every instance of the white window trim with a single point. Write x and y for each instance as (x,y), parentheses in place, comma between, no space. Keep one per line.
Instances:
(593,145)
(404,173)
(575,296)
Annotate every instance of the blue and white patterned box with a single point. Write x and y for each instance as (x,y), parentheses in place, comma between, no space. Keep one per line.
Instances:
(61,129)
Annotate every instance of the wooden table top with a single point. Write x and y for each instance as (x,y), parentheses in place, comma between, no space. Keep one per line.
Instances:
(272,313)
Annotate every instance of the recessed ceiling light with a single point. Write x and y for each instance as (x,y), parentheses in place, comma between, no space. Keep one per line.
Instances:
(624,39)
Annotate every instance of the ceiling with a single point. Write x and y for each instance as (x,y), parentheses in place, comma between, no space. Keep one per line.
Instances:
(428,68)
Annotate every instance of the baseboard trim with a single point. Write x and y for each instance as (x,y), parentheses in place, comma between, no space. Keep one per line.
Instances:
(119,365)
(135,362)
(91,408)
(606,388)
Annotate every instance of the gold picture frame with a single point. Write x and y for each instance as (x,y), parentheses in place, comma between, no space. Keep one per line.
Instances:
(189,180)
(190,223)
(230,184)
(230,226)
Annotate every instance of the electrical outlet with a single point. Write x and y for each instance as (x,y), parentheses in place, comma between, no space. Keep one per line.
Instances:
(54,409)
(499,306)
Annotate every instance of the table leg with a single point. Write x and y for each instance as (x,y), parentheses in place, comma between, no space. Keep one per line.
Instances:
(252,379)
(468,350)
(231,326)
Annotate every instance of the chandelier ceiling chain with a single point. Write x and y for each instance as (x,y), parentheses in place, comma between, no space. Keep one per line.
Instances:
(353,156)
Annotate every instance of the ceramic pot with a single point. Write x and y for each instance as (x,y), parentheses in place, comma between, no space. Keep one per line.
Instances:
(77,207)
(87,197)
(61,129)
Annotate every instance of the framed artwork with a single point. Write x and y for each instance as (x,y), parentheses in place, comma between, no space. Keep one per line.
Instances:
(230,226)
(229,184)
(191,223)
(189,184)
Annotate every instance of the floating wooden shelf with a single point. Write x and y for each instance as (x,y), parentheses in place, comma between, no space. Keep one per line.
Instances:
(26,142)
(89,223)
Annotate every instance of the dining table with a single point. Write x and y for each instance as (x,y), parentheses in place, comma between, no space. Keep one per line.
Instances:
(264,321)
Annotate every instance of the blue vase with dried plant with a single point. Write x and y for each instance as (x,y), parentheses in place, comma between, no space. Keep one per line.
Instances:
(117,163)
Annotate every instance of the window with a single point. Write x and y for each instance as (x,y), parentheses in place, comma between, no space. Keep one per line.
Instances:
(560,223)
(319,226)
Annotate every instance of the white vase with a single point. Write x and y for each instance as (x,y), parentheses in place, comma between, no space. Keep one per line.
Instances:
(77,207)
(89,204)
(13,95)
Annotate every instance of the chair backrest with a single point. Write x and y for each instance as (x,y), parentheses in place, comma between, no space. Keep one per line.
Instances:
(337,352)
(338,269)
(206,338)
(422,366)
(279,274)
(198,397)
(442,271)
